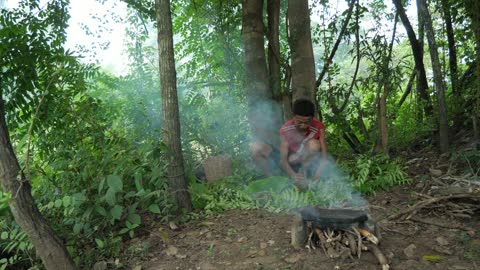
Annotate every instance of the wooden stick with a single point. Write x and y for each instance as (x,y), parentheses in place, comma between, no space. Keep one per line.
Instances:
(379,255)
(424,203)
(352,243)
(359,243)
(458,227)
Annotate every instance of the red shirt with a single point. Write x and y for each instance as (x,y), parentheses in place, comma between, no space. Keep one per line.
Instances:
(289,133)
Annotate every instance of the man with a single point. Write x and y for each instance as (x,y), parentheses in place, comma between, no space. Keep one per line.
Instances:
(302,149)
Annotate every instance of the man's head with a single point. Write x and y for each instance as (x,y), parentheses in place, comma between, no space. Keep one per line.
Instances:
(303,111)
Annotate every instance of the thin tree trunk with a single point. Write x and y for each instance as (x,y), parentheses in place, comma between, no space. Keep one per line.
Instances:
(382,120)
(47,245)
(300,39)
(385,84)
(417,50)
(170,111)
(361,124)
(438,78)
(452,51)
(408,89)
(273,11)
(418,85)
(452,60)
(473,11)
(328,61)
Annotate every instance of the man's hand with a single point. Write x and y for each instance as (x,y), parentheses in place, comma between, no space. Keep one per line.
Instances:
(298,176)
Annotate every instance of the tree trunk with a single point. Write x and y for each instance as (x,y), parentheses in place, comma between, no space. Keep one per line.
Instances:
(273,11)
(328,61)
(264,115)
(47,245)
(300,39)
(408,89)
(170,111)
(382,120)
(418,85)
(361,124)
(422,85)
(382,100)
(437,76)
(452,60)
(452,51)
(473,11)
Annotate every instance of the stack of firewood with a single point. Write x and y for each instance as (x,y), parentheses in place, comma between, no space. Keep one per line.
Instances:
(337,243)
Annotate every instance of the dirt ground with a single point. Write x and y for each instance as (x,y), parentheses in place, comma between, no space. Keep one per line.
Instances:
(256,239)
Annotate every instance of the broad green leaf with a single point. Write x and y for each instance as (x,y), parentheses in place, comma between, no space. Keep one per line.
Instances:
(116,212)
(134,218)
(110,197)
(154,208)
(115,182)
(100,186)
(138,180)
(66,201)
(99,242)
(77,228)
(58,203)
(101,211)
(4,235)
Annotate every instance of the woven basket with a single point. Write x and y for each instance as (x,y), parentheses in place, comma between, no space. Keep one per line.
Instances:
(217,167)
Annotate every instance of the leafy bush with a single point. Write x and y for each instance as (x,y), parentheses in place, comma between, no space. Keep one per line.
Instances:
(372,173)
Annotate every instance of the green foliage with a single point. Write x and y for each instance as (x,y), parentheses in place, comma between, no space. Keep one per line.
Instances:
(274,194)
(4,200)
(372,173)
(219,196)
(14,246)
(469,159)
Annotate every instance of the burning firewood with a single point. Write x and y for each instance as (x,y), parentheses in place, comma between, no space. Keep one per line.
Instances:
(340,233)
(369,236)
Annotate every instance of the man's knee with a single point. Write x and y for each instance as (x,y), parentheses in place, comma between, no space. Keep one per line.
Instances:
(313,146)
(260,150)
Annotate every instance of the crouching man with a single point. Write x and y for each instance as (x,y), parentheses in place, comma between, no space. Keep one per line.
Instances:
(302,150)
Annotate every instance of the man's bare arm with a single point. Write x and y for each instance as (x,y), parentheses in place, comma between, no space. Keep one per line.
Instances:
(284,158)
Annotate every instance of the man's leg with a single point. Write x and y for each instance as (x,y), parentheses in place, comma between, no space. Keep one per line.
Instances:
(260,154)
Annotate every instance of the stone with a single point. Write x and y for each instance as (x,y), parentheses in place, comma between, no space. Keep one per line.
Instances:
(435,172)
(410,251)
(442,241)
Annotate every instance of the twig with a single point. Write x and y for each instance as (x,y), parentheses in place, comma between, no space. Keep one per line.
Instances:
(458,227)
(424,203)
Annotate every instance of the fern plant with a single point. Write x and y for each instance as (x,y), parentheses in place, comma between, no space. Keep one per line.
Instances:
(373,173)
